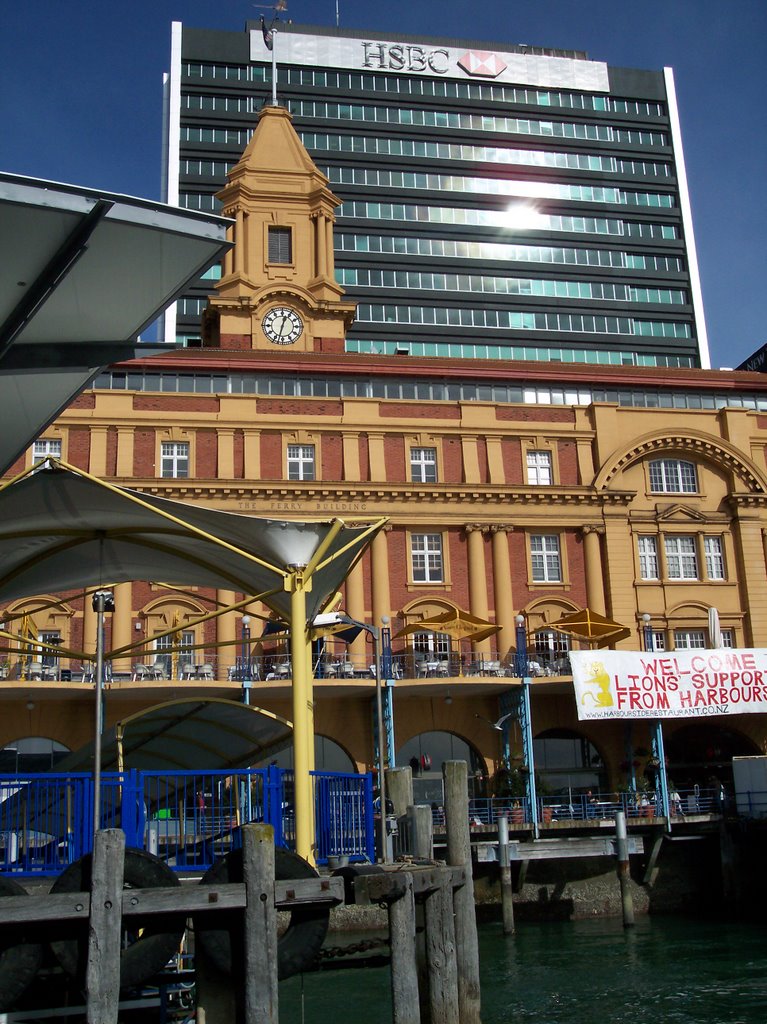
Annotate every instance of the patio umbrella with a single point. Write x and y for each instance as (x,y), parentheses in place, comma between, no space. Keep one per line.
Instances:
(458,625)
(591,626)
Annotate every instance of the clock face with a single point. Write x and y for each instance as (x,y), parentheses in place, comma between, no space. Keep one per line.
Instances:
(282,325)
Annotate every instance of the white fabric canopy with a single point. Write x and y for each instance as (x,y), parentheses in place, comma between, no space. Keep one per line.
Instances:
(61,529)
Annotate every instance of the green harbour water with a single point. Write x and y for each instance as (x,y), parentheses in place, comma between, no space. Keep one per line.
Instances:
(663,971)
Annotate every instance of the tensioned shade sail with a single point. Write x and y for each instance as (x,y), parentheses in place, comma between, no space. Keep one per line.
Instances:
(62,529)
(589,625)
(459,625)
(198,734)
(83,273)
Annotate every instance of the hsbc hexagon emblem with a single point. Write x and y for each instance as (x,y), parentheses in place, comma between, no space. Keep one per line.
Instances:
(482,64)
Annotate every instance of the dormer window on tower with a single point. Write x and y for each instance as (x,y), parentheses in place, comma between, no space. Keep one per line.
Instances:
(280,245)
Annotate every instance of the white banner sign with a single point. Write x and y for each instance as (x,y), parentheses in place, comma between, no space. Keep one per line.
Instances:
(434,60)
(678,684)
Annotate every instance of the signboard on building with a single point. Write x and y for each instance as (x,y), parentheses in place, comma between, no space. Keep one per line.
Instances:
(676,684)
(396,56)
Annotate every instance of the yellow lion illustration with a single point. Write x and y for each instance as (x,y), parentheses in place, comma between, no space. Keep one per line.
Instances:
(602,698)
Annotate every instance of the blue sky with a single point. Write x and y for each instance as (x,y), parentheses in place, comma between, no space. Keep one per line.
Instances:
(80,100)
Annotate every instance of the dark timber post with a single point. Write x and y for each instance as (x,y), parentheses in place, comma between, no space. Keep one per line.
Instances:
(261,1001)
(102,977)
(421,832)
(456,781)
(440,951)
(624,878)
(404,973)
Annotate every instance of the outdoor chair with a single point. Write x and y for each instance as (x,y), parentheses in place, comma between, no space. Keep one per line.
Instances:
(141,672)
(206,671)
(188,671)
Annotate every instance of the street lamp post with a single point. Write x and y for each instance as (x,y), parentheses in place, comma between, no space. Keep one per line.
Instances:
(526,723)
(103,601)
(658,749)
(246,674)
(387,679)
(649,642)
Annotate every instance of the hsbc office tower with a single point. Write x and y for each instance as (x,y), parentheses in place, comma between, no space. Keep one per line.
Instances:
(498,201)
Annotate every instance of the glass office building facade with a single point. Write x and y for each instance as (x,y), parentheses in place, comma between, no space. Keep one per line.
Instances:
(497,201)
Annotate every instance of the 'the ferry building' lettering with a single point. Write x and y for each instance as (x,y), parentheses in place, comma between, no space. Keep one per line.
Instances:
(405,58)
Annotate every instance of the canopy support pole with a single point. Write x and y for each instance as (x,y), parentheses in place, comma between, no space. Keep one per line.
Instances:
(303,715)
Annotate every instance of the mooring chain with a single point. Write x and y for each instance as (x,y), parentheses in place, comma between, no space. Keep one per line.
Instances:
(330,952)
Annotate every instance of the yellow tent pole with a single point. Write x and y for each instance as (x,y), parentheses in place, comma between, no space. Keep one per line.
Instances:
(310,700)
(303,726)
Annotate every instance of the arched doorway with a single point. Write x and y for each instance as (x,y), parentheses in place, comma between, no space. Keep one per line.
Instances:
(700,753)
(329,756)
(427,752)
(31,754)
(568,763)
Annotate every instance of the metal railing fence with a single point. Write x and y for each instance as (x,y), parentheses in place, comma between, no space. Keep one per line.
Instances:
(186,818)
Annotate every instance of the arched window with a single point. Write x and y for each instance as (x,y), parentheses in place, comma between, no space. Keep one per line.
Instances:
(426,754)
(31,754)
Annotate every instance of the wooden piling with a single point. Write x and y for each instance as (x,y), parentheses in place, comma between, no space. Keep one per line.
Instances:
(399,789)
(456,784)
(261,999)
(421,832)
(507,895)
(441,960)
(404,972)
(102,977)
(624,876)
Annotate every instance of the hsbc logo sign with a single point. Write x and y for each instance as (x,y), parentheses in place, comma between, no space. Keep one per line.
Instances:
(481,64)
(414,59)
(400,57)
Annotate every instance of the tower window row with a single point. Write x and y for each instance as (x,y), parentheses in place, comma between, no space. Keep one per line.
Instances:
(510,320)
(451,248)
(430,150)
(372,177)
(519,219)
(463,121)
(352,277)
(349,81)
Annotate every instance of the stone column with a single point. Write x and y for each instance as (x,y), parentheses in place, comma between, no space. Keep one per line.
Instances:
(478,582)
(122,625)
(125,438)
(502,590)
(321,236)
(239,238)
(592,556)
(380,576)
(225,454)
(355,606)
(226,632)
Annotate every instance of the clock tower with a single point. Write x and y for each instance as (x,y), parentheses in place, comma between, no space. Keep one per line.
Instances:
(278,288)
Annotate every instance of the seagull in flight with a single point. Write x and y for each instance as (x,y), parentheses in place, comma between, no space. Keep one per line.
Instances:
(495,725)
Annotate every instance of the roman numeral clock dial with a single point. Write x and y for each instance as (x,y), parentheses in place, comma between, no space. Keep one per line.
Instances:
(282,325)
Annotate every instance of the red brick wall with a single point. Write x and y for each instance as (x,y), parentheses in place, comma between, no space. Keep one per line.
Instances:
(512,461)
(419,410)
(332,457)
(299,407)
(484,474)
(535,414)
(239,454)
(364,457)
(111,452)
(79,447)
(394,458)
(144,453)
(206,454)
(271,456)
(568,463)
(176,403)
(452,460)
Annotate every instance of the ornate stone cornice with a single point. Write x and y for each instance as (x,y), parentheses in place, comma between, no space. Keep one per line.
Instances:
(714,449)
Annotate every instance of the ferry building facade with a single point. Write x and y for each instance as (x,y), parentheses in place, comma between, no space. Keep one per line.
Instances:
(511,489)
